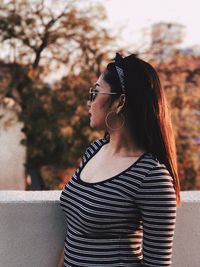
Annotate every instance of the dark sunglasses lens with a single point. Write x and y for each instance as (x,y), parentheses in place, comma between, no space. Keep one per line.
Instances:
(92,96)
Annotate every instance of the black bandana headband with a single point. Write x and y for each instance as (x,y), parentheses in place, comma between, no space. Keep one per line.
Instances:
(120,71)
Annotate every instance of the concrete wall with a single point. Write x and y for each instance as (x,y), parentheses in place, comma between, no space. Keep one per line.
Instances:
(186,249)
(32,229)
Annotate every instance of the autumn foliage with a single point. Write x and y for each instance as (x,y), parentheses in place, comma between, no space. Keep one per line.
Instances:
(41,44)
(181,80)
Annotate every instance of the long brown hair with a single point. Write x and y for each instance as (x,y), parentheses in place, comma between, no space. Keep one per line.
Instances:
(146,111)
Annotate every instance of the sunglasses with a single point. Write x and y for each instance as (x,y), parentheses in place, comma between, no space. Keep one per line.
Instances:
(93,94)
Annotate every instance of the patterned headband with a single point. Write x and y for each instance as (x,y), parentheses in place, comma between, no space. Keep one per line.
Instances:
(120,71)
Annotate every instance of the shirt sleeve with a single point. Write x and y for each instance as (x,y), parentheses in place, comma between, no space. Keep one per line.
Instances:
(88,153)
(156,200)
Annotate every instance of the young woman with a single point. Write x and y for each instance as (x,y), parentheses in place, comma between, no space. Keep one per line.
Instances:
(121,202)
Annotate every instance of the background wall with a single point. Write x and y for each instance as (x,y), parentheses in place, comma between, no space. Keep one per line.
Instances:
(12,152)
(32,229)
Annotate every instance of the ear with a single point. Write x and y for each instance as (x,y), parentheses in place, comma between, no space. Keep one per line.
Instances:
(120,103)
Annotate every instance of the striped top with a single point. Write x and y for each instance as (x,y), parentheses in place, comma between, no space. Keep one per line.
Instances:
(127,220)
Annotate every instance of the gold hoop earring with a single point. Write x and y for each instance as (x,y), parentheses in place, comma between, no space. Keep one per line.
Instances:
(107,119)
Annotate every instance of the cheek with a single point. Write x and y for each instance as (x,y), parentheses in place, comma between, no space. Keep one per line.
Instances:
(99,109)
(98,114)
(102,104)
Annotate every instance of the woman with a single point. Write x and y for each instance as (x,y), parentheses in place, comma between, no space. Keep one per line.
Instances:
(121,202)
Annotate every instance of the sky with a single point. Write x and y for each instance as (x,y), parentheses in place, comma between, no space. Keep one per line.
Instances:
(135,15)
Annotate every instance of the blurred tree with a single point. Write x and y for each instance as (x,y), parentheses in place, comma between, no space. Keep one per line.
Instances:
(40,39)
(43,36)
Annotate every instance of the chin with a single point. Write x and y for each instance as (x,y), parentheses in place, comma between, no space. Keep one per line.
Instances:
(97,126)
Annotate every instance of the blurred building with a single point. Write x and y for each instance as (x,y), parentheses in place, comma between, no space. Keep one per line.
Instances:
(165,37)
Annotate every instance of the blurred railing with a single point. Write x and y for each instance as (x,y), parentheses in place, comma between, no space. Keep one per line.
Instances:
(32,229)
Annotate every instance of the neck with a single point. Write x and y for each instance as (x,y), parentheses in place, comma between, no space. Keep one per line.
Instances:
(122,144)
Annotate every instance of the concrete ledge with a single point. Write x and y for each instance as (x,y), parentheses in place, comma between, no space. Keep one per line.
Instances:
(32,229)
(190,196)
(13,196)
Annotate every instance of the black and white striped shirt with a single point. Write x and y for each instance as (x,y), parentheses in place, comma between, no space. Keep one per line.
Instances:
(127,220)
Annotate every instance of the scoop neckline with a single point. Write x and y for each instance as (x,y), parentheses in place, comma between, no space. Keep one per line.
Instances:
(105,141)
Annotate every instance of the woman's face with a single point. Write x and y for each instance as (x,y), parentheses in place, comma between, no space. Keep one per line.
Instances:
(99,108)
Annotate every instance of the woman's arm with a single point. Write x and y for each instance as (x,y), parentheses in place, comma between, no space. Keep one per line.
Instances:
(157,203)
(61,259)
